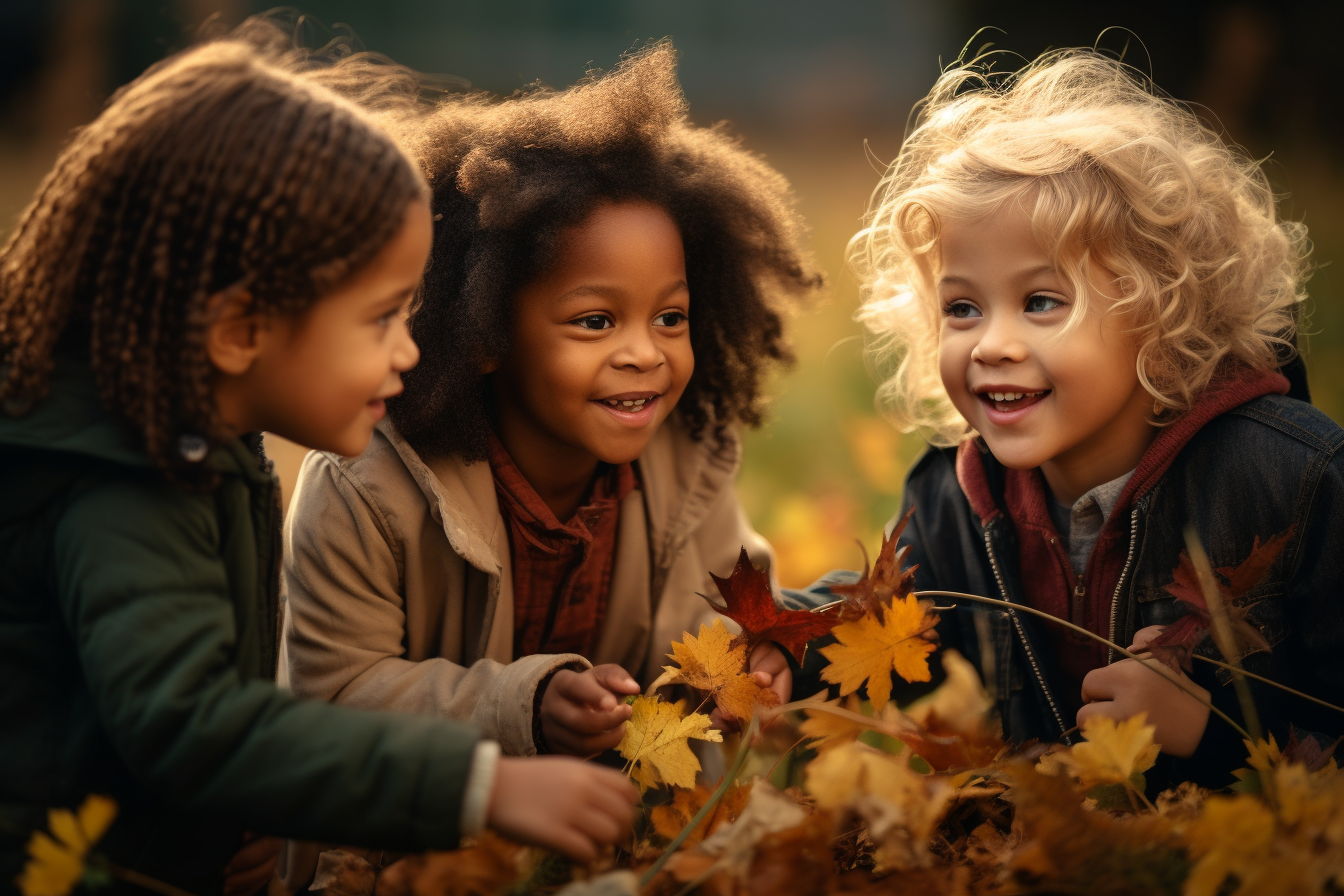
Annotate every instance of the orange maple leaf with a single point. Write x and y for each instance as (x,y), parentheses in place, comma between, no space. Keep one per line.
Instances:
(714,662)
(668,820)
(749,602)
(869,649)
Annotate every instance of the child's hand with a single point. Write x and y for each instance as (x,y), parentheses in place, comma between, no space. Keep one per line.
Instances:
(582,713)
(1126,688)
(561,803)
(771,670)
(252,866)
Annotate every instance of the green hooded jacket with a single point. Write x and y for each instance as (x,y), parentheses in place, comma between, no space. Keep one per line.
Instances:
(138,643)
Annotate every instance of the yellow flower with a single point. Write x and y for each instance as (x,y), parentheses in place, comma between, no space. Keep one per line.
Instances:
(56,865)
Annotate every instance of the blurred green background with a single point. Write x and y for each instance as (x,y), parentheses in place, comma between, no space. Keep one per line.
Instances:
(823,91)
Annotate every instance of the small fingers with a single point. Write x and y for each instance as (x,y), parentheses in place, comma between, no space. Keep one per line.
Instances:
(1144,636)
(614,679)
(583,687)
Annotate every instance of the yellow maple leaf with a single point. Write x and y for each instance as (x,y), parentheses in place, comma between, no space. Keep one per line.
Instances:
(714,663)
(1233,836)
(828,730)
(656,742)
(870,650)
(1113,751)
(55,866)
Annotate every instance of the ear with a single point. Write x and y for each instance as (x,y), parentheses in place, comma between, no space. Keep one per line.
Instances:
(233,338)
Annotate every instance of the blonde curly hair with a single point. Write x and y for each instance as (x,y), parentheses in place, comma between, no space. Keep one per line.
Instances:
(1114,176)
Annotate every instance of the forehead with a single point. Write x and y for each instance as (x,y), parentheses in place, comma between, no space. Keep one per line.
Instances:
(619,238)
(1001,244)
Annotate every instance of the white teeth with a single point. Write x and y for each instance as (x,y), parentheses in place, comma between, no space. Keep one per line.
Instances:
(1011,396)
(627,403)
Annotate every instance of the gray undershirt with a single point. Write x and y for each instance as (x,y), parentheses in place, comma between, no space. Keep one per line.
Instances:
(1079,525)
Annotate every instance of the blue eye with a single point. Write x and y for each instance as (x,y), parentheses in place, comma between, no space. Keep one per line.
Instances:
(670,319)
(594,322)
(961,310)
(1040,304)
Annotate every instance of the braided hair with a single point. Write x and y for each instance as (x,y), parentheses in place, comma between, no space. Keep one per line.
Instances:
(215,170)
(510,176)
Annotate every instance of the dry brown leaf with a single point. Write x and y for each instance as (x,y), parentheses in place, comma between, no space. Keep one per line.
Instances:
(492,865)
(900,806)
(1068,849)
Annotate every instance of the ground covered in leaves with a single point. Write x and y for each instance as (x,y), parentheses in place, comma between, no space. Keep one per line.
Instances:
(850,796)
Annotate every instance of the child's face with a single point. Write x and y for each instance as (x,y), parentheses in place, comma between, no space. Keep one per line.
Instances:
(601,347)
(1070,403)
(322,377)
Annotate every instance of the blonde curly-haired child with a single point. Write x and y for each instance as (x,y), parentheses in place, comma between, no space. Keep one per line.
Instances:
(1084,297)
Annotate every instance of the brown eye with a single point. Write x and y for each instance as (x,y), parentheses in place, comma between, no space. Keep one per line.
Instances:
(670,319)
(594,322)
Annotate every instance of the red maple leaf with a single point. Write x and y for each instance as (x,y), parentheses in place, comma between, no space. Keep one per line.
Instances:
(1178,640)
(1307,751)
(874,592)
(750,603)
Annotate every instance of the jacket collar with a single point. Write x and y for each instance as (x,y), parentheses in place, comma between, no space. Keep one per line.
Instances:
(982,478)
(679,477)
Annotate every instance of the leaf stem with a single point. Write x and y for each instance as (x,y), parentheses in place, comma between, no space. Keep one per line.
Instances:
(132,876)
(1144,661)
(1269,681)
(1221,629)
(709,805)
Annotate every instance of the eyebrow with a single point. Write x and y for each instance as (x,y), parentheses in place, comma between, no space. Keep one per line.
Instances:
(954,280)
(609,291)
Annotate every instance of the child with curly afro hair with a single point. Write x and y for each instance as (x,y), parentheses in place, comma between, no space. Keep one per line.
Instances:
(527,532)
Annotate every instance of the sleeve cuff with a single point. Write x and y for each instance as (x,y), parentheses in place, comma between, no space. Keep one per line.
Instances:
(480,782)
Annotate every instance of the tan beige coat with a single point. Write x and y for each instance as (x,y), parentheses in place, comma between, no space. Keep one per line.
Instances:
(400,591)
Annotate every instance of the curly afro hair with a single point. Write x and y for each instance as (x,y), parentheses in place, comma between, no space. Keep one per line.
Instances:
(510,176)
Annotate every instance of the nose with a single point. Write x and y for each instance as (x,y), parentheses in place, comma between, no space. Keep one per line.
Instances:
(639,350)
(1000,341)
(405,353)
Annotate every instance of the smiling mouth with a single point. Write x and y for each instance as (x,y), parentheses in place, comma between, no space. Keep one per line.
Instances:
(1011,401)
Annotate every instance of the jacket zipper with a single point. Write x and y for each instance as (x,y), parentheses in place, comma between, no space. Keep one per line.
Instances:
(1124,573)
(1031,656)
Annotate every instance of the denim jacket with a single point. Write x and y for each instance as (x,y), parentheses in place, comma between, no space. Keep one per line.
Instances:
(1254,471)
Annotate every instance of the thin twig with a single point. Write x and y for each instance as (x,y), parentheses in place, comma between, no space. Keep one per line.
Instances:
(1221,629)
(1268,681)
(1143,661)
(144,880)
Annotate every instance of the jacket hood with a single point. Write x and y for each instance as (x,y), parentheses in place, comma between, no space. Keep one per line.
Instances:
(982,478)
(71,419)
(70,427)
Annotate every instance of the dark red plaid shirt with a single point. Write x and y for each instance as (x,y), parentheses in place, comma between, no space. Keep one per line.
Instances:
(561,572)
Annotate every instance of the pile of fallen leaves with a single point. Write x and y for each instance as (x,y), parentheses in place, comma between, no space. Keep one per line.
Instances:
(869,797)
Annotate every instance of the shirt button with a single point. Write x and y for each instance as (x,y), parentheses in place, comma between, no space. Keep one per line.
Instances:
(1079,590)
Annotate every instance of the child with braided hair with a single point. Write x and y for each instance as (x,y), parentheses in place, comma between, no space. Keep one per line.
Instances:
(229,248)
(529,529)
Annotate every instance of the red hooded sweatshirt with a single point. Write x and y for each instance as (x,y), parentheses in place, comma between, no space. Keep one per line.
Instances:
(1048,579)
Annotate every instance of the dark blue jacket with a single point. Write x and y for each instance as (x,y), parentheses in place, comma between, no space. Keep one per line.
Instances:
(1254,471)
